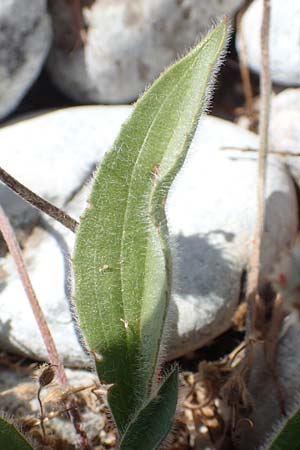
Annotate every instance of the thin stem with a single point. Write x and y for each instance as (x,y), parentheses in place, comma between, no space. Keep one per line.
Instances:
(37,201)
(16,253)
(13,246)
(295,154)
(42,413)
(264,119)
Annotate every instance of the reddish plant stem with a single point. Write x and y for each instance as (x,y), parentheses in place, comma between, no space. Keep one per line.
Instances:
(16,253)
(37,201)
(13,246)
(264,119)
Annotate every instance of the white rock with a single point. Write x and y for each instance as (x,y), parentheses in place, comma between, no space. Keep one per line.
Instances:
(213,220)
(285,128)
(54,152)
(284,39)
(211,213)
(284,119)
(128,44)
(25,38)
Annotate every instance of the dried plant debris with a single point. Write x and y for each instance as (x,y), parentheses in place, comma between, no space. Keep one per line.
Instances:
(217,400)
(215,404)
(19,399)
(239,317)
(199,422)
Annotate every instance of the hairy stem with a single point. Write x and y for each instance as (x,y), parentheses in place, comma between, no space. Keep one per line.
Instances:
(37,201)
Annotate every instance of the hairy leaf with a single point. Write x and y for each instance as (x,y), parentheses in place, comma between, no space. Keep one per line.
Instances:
(152,424)
(122,261)
(289,437)
(11,438)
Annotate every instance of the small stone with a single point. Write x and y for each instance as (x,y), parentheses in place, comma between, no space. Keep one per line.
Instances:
(25,38)
(118,48)
(284,39)
(211,212)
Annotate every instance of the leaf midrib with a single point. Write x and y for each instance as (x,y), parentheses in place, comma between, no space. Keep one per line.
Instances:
(133,176)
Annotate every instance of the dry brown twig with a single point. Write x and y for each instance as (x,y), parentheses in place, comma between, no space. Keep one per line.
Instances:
(277,152)
(265,313)
(38,202)
(13,246)
(256,325)
(265,82)
(256,318)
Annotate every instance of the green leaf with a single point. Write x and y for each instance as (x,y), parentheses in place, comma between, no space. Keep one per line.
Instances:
(289,437)
(122,260)
(11,438)
(153,423)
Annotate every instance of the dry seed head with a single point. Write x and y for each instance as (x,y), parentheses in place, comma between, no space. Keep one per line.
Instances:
(45,374)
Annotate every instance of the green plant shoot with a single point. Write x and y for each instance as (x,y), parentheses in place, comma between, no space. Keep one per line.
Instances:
(122,261)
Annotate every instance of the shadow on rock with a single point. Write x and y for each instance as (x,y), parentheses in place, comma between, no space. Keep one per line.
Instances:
(201,267)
